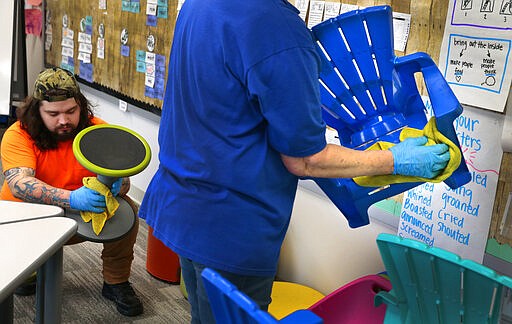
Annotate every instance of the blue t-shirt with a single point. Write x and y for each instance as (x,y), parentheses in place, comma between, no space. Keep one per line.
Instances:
(242,88)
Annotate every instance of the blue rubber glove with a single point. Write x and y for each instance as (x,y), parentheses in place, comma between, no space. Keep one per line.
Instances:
(85,199)
(412,158)
(116,187)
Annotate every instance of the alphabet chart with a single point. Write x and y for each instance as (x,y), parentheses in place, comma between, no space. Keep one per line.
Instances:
(476,51)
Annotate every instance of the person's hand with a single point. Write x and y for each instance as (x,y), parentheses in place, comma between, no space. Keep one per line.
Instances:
(86,199)
(412,158)
(116,187)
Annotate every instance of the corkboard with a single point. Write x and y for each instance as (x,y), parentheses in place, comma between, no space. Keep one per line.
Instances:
(116,73)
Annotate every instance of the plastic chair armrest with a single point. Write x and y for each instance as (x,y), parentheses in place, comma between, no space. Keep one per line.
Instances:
(415,61)
(386,298)
(441,96)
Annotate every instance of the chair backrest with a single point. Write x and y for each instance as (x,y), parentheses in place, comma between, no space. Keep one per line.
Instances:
(229,305)
(361,95)
(432,285)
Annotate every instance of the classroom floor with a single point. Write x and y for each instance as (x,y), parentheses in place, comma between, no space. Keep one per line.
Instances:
(82,302)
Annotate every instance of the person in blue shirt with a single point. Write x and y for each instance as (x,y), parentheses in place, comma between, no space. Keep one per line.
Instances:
(241,122)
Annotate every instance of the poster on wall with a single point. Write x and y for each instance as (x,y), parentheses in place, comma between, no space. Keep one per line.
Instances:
(475,54)
(458,220)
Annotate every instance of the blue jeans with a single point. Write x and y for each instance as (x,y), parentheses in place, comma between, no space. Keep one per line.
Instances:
(257,288)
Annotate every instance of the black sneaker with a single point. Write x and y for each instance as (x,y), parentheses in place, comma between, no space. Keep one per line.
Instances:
(28,288)
(125,298)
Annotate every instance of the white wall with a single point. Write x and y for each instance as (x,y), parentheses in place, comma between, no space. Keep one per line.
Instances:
(320,249)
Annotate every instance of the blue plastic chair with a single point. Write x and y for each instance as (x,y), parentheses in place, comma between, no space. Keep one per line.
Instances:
(229,305)
(432,285)
(368,95)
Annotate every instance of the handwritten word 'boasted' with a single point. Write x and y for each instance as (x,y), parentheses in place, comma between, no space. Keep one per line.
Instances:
(420,209)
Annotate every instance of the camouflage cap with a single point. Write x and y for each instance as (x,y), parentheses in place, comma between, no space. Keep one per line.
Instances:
(55,79)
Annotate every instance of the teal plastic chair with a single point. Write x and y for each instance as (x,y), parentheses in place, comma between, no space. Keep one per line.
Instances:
(432,285)
(231,306)
(369,95)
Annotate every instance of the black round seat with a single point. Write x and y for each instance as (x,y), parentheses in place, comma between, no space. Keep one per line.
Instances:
(112,152)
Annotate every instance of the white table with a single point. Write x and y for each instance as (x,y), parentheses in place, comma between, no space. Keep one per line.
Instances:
(11,211)
(31,238)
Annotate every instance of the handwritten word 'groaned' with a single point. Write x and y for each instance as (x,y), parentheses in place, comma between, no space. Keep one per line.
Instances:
(455,202)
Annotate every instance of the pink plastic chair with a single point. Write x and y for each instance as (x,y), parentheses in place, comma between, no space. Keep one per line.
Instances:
(354,302)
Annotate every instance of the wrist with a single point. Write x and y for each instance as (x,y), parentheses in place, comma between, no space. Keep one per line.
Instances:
(71,199)
(390,164)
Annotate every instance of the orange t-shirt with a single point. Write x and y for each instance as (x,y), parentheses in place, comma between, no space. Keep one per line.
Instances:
(57,167)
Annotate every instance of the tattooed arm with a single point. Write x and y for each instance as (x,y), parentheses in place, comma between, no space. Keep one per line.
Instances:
(25,186)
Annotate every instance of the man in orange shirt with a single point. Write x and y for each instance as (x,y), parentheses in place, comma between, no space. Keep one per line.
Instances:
(40,167)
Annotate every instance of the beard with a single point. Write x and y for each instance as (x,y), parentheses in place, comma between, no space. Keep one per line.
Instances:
(66,135)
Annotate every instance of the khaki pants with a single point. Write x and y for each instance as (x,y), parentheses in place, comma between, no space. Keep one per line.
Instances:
(117,256)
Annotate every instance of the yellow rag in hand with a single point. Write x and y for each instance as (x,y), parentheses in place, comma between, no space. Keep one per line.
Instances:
(99,219)
(434,136)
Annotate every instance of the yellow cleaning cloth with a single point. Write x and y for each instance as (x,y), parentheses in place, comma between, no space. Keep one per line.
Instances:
(99,219)
(434,137)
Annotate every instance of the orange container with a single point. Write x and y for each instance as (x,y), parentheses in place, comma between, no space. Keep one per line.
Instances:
(161,262)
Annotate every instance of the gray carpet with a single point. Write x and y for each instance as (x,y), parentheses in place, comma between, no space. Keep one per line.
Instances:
(81,296)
